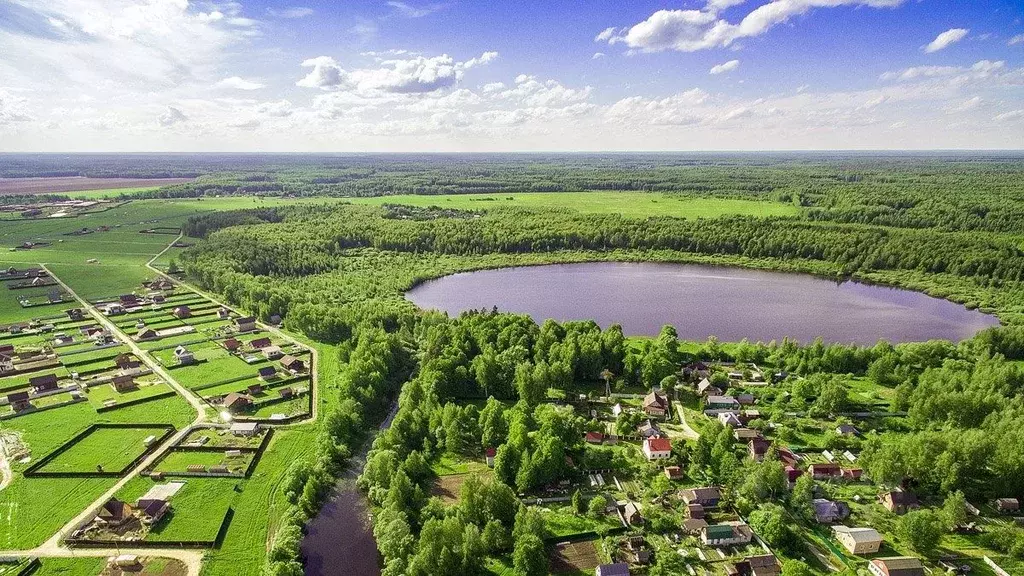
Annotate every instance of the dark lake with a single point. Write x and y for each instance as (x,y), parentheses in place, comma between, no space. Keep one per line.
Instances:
(701,301)
(340,539)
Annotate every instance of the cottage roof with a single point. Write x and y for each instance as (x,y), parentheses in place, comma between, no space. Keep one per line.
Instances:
(659,444)
(900,566)
(859,535)
(655,400)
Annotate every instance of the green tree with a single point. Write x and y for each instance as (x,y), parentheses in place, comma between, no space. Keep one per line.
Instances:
(921,530)
(595,509)
(954,510)
(579,503)
(529,557)
(801,499)
(796,568)
(769,521)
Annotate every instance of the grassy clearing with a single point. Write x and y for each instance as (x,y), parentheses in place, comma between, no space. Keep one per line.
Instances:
(110,448)
(180,460)
(454,464)
(71,567)
(629,204)
(561,521)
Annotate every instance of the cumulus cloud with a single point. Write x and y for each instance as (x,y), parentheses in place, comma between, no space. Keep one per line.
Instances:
(702,29)
(239,83)
(725,68)
(292,12)
(532,92)
(278,109)
(171,117)
(410,75)
(406,10)
(946,39)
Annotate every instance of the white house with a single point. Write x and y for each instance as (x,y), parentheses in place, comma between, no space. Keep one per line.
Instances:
(657,448)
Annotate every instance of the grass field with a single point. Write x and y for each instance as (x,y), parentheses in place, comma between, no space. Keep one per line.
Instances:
(111,448)
(197,510)
(180,460)
(71,567)
(630,204)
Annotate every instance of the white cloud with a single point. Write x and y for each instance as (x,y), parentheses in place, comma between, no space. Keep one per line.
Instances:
(946,39)
(12,108)
(406,10)
(290,13)
(171,117)
(278,109)
(693,30)
(1011,116)
(414,74)
(719,5)
(493,87)
(532,92)
(597,56)
(239,83)
(1018,39)
(965,106)
(725,68)
(980,69)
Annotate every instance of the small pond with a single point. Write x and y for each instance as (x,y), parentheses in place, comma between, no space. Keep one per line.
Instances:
(701,301)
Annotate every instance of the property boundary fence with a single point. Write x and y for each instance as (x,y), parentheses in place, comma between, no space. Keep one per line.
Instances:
(34,469)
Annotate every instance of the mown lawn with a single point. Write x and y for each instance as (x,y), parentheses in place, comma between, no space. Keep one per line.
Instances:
(111,448)
(629,204)
(180,460)
(71,567)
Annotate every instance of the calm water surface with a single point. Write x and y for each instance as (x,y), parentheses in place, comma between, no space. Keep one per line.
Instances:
(701,301)
(339,541)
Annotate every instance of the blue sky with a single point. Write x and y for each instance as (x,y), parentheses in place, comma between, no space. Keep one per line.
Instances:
(379,75)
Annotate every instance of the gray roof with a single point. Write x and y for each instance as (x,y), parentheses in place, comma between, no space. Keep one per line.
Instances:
(620,569)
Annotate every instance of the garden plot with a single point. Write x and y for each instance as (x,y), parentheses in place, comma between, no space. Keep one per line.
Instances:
(214,365)
(205,460)
(197,510)
(104,395)
(273,410)
(574,557)
(102,450)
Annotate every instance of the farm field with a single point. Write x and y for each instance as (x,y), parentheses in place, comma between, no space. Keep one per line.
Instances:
(99,186)
(629,204)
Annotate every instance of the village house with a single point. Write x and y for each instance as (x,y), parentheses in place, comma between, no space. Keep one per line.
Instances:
(19,401)
(648,429)
(745,399)
(43,383)
(267,373)
(286,392)
(1007,505)
(829,511)
(858,540)
(146,334)
(231,344)
(852,474)
(657,448)
(745,434)
(223,313)
(846,430)
(275,319)
(655,404)
(673,472)
(618,569)
(61,339)
(128,300)
(631,512)
(706,388)
(184,356)
(792,473)
(75,314)
(123,383)
(695,511)
(896,566)
(721,403)
(260,343)
(899,501)
(6,362)
(114,309)
(758,448)
(115,513)
(730,419)
(126,362)
(245,429)
(235,401)
(182,312)
(153,509)
(825,471)
(726,534)
(255,389)
(292,364)
(594,437)
(763,565)
(489,455)
(272,352)
(245,324)
(707,496)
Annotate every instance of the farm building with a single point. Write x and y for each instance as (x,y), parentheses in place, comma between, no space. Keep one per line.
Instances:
(184,356)
(655,404)
(721,403)
(182,312)
(858,540)
(896,566)
(232,344)
(223,313)
(75,314)
(292,364)
(260,343)
(657,448)
(673,472)
(286,392)
(758,448)
(828,511)
(255,389)
(272,352)
(695,511)
(825,471)
(631,512)
(594,437)
(648,429)
(147,334)
(267,373)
